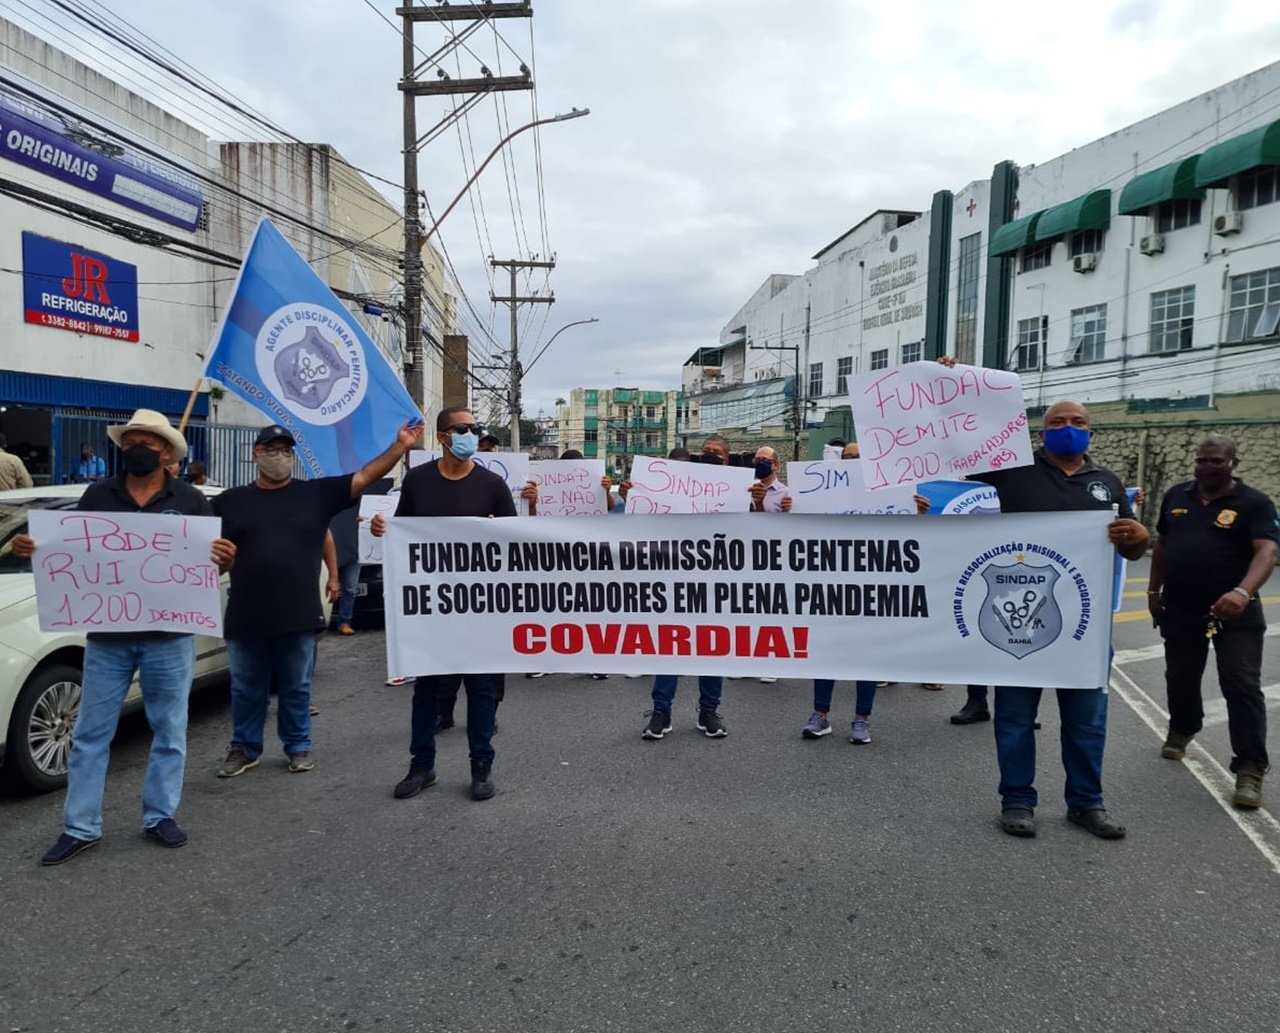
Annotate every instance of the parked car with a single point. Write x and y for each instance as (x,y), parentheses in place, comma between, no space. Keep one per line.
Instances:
(41,671)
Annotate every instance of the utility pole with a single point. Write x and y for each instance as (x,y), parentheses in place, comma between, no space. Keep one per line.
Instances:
(513,265)
(411,88)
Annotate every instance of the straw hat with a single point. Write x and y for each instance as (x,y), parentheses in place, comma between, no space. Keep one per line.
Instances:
(153,423)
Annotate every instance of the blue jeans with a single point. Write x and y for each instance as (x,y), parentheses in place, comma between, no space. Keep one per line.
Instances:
(824,687)
(255,663)
(1084,736)
(482,712)
(164,666)
(348,578)
(710,688)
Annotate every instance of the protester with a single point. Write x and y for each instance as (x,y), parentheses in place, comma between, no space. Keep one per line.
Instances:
(1217,548)
(92,466)
(198,474)
(274,609)
(1061,477)
(489,443)
(453,485)
(173,469)
(768,494)
(163,661)
(344,534)
(975,707)
(13,472)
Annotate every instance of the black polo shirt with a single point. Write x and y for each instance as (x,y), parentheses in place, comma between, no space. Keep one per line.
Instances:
(176,498)
(1208,545)
(1043,487)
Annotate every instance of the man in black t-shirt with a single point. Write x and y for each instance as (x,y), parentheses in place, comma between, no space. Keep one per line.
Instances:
(453,485)
(274,608)
(1217,547)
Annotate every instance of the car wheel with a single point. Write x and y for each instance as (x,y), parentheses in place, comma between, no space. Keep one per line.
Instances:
(39,743)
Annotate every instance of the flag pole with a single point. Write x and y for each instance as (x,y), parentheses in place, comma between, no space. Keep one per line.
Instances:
(191,403)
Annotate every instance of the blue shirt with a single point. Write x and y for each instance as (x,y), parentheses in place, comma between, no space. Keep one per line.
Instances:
(91,468)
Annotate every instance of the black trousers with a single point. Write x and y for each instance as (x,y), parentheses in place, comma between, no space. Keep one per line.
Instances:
(447,687)
(1237,649)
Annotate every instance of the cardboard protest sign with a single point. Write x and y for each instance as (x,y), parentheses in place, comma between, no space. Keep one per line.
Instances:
(125,572)
(1008,600)
(669,486)
(924,421)
(569,487)
(837,487)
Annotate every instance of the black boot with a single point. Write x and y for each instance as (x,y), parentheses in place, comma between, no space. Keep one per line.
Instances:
(481,786)
(973,711)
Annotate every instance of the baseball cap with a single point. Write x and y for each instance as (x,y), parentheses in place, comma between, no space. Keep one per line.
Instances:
(273,433)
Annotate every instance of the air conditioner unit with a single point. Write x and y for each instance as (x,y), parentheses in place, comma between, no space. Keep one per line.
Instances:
(1229,222)
(1152,245)
(1084,263)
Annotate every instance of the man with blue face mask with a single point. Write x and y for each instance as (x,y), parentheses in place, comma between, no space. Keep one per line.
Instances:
(453,485)
(1061,477)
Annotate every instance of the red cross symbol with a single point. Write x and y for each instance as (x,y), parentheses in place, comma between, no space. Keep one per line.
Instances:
(971,207)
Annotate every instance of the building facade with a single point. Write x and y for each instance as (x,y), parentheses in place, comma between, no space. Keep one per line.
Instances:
(617,424)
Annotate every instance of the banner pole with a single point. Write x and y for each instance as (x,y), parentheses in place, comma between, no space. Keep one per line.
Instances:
(191,403)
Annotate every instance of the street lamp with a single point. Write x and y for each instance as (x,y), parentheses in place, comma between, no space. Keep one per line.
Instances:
(577,322)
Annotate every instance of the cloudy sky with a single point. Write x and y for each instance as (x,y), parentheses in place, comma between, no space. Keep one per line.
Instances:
(726,142)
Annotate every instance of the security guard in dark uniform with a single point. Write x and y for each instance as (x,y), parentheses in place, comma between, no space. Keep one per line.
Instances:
(1217,547)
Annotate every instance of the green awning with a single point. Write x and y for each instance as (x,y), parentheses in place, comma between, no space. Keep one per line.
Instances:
(1091,211)
(1239,154)
(1173,182)
(1014,235)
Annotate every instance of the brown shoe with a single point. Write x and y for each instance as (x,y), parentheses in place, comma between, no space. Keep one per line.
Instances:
(300,762)
(1248,794)
(1175,745)
(237,763)
(346,629)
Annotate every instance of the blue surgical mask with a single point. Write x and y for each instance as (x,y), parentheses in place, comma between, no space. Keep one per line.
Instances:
(463,446)
(1067,442)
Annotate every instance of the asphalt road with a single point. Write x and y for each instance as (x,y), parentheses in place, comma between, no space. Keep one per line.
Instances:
(758,882)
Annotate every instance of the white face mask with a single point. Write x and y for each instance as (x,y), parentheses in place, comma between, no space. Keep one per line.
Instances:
(275,468)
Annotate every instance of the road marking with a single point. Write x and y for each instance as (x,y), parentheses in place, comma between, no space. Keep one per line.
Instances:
(1259,827)
(1215,710)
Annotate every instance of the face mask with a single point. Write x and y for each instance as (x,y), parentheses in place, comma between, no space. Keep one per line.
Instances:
(140,460)
(764,468)
(463,446)
(1067,442)
(1213,478)
(275,468)
(712,458)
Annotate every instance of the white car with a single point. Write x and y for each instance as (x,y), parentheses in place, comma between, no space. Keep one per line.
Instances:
(40,671)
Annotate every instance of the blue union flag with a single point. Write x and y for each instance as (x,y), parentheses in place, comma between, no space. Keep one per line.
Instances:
(288,346)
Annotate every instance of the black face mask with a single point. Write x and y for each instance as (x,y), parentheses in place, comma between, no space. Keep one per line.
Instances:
(140,460)
(763,469)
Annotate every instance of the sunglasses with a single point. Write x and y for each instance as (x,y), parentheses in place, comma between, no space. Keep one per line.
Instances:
(464,428)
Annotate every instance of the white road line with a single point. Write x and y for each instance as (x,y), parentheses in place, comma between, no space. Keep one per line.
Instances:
(1259,827)
(1156,651)
(1215,710)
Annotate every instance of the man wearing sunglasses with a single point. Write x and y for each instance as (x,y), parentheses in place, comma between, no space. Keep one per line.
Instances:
(278,525)
(453,485)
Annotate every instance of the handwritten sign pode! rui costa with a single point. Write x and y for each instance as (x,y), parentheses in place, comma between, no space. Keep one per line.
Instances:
(668,486)
(569,487)
(125,572)
(923,421)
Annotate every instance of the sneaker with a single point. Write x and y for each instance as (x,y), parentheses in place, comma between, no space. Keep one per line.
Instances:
(65,849)
(167,833)
(816,727)
(932,686)
(536,674)
(599,677)
(396,681)
(315,710)
(885,684)
(236,763)
(768,681)
(1175,745)
(300,762)
(658,726)
(481,784)
(860,733)
(1248,794)
(445,721)
(971,713)
(346,629)
(414,782)
(711,725)
(632,677)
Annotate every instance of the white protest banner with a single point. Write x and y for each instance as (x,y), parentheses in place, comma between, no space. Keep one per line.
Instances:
(569,487)
(832,453)
(669,486)
(512,467)
(822,487)
(1016,599)
(125,572)
(422,456)
(369,547)
(923,421)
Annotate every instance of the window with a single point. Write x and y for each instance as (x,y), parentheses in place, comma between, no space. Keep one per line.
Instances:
(1254,306)
(1036,257)
(880,358)
(1257,187)
(591,410)
(1088,334)
(1030,338)
(1174,215)
(650,413)
(590,435)
(912,351)
(651,441)
(1173,315)
(1086,242)
(844,367)
(815,379)
(967,303)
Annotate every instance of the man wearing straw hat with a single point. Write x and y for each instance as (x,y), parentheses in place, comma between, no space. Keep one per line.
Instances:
(163,661)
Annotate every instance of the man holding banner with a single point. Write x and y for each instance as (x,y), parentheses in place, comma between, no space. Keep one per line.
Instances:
(163,661)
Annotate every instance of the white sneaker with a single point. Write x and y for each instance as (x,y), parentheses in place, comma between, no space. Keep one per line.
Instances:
(767,681)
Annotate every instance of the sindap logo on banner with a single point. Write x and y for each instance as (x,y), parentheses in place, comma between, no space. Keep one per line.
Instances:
(310,358)
(1019,612)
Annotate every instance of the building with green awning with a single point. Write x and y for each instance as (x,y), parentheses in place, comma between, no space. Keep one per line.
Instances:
(1091,211)
(1253,150)
(1013,236)
(1173,182)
